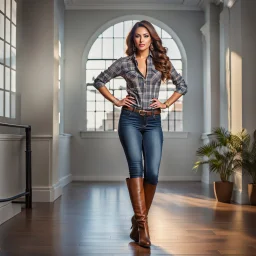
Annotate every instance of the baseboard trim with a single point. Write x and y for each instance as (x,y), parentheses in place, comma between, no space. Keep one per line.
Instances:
(8,211)
(50,193)
(122,178)
(65,180)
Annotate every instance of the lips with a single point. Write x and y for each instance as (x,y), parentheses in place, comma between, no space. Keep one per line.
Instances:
(141,45)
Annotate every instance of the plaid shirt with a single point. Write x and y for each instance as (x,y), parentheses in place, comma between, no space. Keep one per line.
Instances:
(143,89)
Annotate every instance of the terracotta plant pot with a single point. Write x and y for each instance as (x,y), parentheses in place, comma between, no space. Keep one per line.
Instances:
(223,191)
(252,193)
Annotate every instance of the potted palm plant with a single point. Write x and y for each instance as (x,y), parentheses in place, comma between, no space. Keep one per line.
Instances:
(223,154)
(249,165)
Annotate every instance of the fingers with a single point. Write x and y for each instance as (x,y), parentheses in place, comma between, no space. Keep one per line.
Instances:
(130,97)
(131,101)
(155,103)
(128,100)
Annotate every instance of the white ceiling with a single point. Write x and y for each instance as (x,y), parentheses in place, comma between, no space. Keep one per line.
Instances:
(196,5)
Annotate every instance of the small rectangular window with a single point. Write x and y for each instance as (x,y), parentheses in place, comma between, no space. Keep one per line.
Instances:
(13,105)
(7,79)
(1,103)
(1,76)
(8,8)
(7,104)
(14,11)
(1,25)
(108,49)
(2,8)
(13,81)
(7,55)
(119,30)
(7,31)
(13,35)
(13,57)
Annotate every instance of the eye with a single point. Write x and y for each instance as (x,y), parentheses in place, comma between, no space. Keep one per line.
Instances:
(146,35)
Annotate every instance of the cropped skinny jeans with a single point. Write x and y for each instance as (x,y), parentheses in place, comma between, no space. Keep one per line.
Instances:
(141,136)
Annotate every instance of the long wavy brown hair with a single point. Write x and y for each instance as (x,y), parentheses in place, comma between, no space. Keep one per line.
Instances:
(160,59)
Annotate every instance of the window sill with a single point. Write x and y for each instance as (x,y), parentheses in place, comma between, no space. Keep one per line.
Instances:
(114,135)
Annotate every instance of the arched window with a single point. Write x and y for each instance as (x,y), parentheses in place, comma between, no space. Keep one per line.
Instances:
(102,115)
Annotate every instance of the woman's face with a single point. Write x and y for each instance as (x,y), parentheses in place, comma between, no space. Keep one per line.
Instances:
(142,38)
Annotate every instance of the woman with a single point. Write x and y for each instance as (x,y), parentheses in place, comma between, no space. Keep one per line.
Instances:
(140,131)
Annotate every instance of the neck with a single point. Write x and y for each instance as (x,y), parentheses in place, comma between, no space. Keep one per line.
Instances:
(142,54)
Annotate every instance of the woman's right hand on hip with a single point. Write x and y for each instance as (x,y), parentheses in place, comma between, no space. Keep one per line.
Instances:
(127,101)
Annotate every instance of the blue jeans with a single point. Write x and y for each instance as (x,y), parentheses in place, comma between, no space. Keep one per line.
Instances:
(141,135)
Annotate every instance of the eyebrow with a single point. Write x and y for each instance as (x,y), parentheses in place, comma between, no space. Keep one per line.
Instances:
(143,34)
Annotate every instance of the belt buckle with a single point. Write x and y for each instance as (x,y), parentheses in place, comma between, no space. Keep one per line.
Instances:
(141,110)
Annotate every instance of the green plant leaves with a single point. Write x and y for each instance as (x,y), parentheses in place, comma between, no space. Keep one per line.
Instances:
(223,152)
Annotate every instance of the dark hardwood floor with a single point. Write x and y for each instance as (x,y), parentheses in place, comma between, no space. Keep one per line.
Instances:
(93,218)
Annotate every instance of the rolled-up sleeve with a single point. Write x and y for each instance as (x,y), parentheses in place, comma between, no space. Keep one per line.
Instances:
(178,81)
(114,70)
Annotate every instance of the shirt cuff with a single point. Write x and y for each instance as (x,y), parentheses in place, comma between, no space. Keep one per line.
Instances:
(98,84)
(181,90)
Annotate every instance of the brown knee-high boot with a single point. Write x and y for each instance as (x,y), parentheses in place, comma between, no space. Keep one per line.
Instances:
(149,191)
(137,196)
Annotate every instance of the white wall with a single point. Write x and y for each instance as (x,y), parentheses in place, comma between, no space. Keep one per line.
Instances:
(38,83)
(249,56)
(102,158)
(224,69)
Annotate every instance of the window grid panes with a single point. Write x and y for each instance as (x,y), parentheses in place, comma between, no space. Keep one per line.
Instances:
(102,115)
(8,58)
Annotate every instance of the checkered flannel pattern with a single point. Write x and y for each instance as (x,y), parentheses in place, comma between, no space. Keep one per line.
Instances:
(143,89)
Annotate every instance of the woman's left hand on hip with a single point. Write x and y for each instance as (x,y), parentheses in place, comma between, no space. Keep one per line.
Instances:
(157,104)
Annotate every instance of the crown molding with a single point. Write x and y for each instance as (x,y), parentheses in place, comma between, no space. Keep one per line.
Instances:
(87,5)
(71,5)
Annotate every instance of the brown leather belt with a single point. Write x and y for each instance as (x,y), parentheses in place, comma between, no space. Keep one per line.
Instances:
(142,112)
